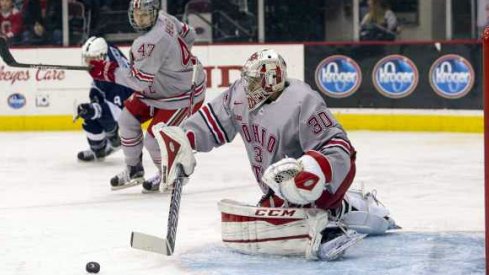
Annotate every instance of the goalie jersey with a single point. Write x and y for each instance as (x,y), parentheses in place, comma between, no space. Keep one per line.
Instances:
(161,65)
(297,121)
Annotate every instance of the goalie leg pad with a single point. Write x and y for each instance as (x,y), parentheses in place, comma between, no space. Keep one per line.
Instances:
(366,214)
(261,230)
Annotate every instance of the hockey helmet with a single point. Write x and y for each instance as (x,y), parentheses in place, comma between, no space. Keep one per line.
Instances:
(264,74)
(95,48)
(143,14)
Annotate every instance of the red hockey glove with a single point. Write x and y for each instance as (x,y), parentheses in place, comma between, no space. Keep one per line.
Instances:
(103,70)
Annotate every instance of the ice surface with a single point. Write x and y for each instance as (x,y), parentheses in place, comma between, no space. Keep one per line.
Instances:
(56,214)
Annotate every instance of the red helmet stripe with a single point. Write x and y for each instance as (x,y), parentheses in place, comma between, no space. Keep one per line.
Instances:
(279,75)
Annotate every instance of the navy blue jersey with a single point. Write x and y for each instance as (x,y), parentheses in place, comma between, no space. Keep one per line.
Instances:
(111,92)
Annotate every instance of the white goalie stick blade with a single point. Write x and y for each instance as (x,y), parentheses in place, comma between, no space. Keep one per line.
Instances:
(335,248)
(155,244)
(131,183)
(149,243)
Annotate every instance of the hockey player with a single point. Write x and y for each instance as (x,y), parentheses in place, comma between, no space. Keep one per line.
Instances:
(106,101)
(161,73)
(300,155)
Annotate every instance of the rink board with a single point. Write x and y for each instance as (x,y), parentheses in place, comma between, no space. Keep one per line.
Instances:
(351,121)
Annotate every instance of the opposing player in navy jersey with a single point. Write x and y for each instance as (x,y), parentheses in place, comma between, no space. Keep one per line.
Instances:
(302,159)
(106,102)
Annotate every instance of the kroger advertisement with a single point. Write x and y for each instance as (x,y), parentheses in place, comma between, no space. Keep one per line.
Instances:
(415,76)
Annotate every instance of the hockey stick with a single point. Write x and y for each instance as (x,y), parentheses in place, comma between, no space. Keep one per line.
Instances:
(156,244)
(159,245)
(10,60)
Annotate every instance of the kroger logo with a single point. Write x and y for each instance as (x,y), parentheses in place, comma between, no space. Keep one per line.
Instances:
(16,101)
(451,76)
(395,76)
(338,76)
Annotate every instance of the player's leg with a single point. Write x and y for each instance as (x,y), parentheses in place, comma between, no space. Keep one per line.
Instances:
(110,125)
(133,115)
(96,140)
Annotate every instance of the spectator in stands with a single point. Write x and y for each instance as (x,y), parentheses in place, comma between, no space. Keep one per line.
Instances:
(54,22)
(380,22)
(105,5)
(11,22)
(34,30)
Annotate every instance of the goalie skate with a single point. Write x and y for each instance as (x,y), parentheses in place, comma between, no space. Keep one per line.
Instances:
(335,248)
(129,177)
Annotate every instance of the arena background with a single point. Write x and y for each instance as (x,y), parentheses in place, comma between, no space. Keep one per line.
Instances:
(44,99)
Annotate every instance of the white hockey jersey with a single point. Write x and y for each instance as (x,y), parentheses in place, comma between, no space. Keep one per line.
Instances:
(161,65)
(297,121)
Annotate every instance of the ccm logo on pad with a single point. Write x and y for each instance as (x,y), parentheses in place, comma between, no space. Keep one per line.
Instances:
(275,212)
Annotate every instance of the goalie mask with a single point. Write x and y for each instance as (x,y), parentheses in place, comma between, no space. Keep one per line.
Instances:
(95,48)
(263,74)
(143,14)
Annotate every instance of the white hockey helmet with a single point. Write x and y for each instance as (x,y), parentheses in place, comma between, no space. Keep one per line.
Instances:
(143,14)
(264,74)
(95,48)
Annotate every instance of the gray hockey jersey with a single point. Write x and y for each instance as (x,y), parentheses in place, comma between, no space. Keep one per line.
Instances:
(161,65)
(297,121)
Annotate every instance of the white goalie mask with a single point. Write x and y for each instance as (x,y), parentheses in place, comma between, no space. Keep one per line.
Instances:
(264,74)
(143,14)
(95,48)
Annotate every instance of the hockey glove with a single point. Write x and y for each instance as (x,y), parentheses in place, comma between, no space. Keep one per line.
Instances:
(89,111)
(103,70)
(299,181)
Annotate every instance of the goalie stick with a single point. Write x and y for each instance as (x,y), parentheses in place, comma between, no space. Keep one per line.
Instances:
(10,60)
(156,244)
(159,245)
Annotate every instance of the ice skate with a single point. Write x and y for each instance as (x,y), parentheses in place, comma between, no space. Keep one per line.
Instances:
(95,155)
(336,241)
(131,176)
(152,184)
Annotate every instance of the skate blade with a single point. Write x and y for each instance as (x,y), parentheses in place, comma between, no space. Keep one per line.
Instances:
(166,190)
(341,248)
(131,183)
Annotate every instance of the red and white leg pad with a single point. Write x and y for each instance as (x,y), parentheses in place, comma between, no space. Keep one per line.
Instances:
(268,230)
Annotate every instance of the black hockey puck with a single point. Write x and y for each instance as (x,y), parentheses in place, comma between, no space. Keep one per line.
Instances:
(92,267)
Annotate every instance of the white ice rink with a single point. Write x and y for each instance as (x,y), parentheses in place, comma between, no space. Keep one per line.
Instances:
(56,214)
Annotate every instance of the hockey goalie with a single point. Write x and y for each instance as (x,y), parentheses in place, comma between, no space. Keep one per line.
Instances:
(300,155)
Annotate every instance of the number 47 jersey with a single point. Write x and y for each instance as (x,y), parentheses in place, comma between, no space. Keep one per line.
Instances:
(161,65)
(297,121)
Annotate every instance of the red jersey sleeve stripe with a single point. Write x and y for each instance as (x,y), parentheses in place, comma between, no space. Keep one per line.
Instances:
(213,125)
(142,76)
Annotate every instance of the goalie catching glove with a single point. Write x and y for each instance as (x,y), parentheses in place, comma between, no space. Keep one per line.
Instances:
(175,149)
(299,181)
